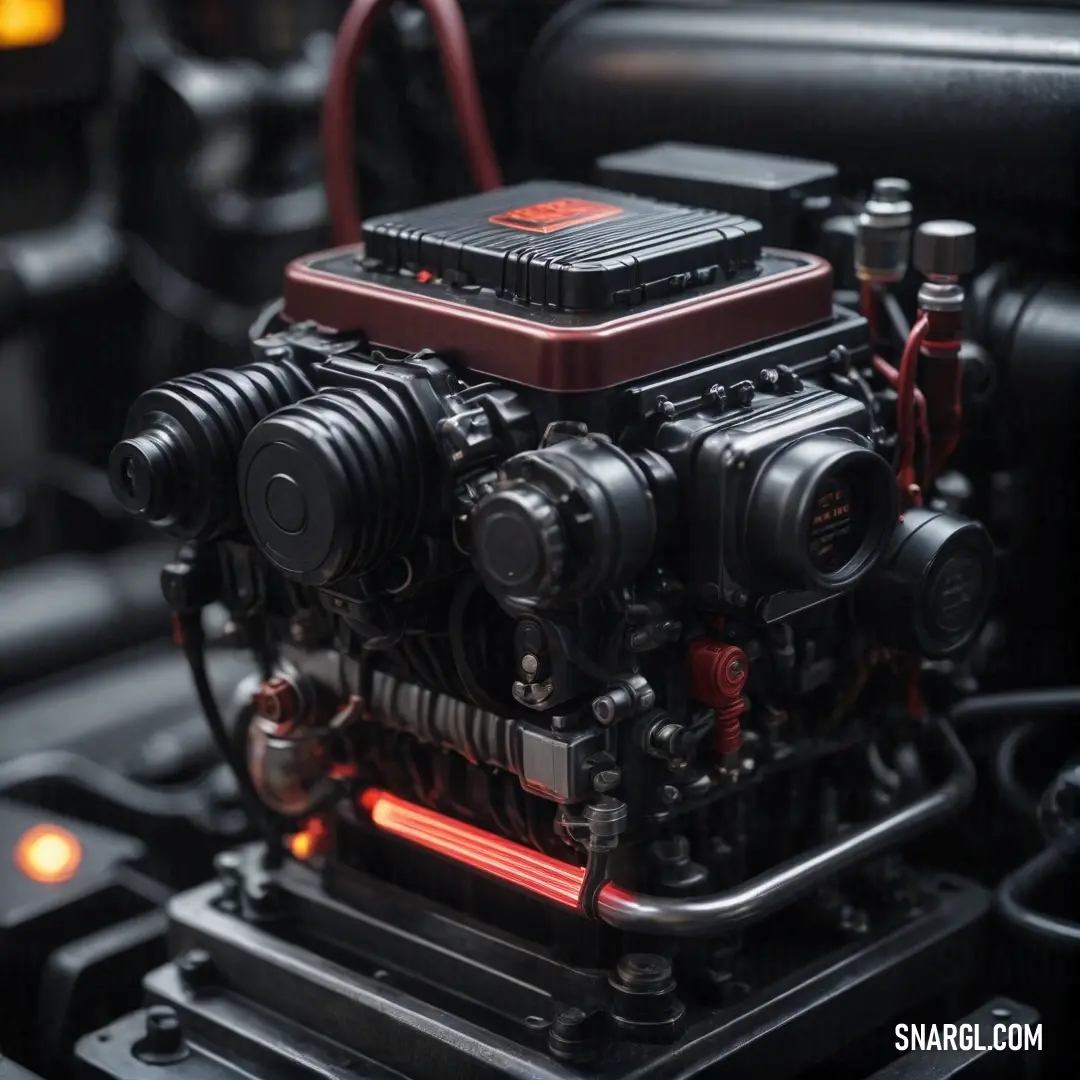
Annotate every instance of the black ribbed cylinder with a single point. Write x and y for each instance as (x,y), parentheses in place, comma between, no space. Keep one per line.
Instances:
(176,465)
(336,483)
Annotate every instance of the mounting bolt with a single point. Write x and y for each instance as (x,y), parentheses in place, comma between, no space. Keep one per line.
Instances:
(644,1002)
(572,1035)
(196,969)
(163,1042)
(262,897)
(229,868)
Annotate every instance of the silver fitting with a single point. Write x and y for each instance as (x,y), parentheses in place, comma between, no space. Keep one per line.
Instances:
(945,250)
(934,296)
(290,770)
(883,232)
(607,820)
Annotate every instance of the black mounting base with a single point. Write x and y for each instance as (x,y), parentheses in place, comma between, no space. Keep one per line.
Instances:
(303,984)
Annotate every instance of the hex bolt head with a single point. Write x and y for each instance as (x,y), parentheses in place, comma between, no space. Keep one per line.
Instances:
(163,1042)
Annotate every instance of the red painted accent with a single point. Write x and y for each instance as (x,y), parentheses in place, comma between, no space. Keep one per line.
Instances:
(277,701)
(566,358)
(718,674)
(556,215)
(516,865)
(942,379)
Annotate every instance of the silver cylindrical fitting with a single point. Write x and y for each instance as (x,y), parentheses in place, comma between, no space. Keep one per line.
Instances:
(937,296)
(883,232)
(945,250)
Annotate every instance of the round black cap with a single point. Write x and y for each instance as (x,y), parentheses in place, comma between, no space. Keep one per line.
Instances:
(820,515)
(518,541)
(328,486)
(934,589)
(143,472)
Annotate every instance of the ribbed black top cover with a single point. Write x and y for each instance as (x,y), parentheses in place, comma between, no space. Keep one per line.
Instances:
(567,246)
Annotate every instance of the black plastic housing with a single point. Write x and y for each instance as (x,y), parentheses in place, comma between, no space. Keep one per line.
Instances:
(337,481)
(750,476)
(566,246)
(567,522)
(769,188)
(933,592)
(177,462)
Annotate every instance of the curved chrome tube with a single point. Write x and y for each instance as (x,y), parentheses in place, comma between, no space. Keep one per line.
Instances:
(776,888)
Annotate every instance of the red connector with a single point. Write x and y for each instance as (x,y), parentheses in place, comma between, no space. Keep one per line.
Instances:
(718,674)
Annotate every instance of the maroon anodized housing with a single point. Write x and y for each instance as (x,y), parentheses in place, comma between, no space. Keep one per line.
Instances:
(561,287)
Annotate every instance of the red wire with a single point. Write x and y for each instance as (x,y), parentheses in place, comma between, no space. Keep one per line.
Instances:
(338,135)
(892,377)
(905,399)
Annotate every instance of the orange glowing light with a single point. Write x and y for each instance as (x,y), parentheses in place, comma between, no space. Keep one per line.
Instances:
(510,862)
(25,23)
(48,854)
(310,841)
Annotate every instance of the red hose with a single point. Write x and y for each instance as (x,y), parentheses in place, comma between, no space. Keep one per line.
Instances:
(892,377)
(338,135)
(905,400)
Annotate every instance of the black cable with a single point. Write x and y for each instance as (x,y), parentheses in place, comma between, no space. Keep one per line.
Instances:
(193,642)
(901,328)
(1019,885)
(265,320)
(1008,783)
(1007,703)
(459,634)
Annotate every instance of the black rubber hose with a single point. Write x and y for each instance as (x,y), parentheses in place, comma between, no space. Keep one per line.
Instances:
(1019,885)
(193,642)
(1008,783)
(1007,703)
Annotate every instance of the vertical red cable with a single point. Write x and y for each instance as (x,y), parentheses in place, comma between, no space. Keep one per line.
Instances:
(338,135)
(905,401)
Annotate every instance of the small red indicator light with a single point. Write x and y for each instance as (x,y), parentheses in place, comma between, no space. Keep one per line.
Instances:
(516,865)
(48,854)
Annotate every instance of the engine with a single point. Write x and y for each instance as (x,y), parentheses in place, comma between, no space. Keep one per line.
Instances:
(594,560)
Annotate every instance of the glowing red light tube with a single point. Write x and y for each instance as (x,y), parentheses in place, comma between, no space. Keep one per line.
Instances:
(503,859)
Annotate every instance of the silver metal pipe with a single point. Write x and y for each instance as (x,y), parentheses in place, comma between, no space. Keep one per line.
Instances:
(777,888)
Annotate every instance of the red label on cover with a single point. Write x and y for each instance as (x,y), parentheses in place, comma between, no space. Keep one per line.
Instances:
(556,214)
